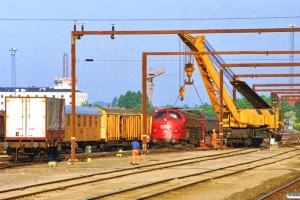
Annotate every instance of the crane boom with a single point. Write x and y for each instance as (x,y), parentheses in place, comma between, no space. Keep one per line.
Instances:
(209,75)
(254,123)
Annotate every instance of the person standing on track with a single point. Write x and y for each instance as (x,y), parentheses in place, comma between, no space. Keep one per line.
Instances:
(135,145)
(213,139)
(278,139)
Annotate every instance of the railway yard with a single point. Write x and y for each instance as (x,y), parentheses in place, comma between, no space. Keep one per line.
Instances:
(201,173)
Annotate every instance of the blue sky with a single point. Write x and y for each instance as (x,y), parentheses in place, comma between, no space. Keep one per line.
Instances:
(41,31)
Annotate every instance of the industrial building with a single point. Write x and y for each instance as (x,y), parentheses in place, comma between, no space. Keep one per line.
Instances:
(61,90)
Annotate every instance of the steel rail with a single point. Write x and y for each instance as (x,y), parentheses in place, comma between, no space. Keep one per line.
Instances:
(208,157)
(278,189)
(189,175)
(208,179)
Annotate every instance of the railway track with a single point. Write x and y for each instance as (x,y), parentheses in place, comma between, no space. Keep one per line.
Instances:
(5,161)
(176,174)
(288,190)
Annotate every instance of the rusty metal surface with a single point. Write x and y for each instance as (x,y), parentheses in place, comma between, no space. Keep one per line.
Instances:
(275,85)
(199,31)
(265,75)
(260,64)
(162,53)
(277,90)
(290,97)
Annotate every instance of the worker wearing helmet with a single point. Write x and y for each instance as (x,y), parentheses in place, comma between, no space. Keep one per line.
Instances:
(213,139)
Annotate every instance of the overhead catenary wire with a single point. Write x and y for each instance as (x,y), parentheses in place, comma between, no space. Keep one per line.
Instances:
(153,19)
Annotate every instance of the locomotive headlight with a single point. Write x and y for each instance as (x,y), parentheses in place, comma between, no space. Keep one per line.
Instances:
(35,145)
(5,145)
(176,131)
(154,130)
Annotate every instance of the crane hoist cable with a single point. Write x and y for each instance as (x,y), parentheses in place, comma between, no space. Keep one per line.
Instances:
(182,91)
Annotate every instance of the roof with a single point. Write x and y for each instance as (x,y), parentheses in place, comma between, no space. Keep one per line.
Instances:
(34,89)
(83,110)
(121,111)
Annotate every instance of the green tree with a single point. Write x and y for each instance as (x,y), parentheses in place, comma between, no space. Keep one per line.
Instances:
(133,100)
(244,103)
(168,106)
(115,102)
(209,111)
(85,103)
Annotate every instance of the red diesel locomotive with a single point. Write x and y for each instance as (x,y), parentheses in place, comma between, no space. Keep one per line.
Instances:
(172,126)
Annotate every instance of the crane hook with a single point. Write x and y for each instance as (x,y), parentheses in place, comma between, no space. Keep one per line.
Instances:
(189,69)
(181,93)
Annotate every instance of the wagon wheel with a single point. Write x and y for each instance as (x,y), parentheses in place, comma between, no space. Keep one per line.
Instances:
(39,157)
(191,146)
(230,143)
(184,145)
(54,153)
(14,157)
(31,157)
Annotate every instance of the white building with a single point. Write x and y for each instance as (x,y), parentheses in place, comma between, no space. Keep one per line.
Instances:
(63,89)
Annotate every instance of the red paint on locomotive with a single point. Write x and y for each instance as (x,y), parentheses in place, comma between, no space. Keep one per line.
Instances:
(176,126)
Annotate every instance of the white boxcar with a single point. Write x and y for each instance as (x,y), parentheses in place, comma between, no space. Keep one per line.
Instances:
(34,125)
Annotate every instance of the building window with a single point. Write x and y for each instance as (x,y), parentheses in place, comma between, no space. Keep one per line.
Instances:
(45,96)
(1,103)
(53,96)
(1,96)
(70,96)
(36,95)
(62,96)
(70,103)
(27,95)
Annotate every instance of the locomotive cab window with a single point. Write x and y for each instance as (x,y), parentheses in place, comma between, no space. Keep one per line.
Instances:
(174,115)
(160,114)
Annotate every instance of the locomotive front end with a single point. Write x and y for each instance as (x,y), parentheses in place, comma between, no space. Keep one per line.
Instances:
(167,127)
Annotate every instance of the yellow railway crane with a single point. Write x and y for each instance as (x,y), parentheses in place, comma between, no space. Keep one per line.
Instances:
(248,126)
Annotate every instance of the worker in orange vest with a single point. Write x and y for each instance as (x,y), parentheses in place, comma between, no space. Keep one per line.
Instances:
(213,139)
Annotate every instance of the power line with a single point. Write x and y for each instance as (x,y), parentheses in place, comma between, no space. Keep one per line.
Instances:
(162,19)
(175,60)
